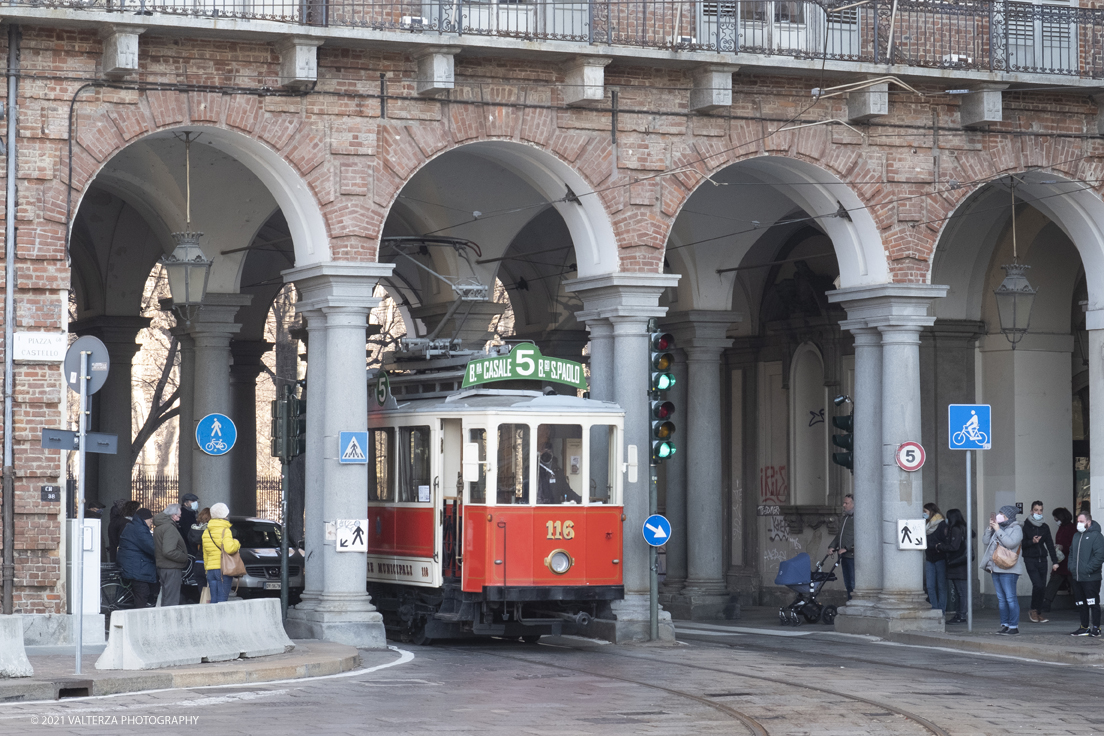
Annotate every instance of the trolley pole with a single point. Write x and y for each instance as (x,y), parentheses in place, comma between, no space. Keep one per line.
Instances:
(653,559)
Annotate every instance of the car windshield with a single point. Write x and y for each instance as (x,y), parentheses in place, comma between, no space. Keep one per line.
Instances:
(257,533)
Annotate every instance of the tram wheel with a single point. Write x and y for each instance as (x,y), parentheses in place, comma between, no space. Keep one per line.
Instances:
(420,637)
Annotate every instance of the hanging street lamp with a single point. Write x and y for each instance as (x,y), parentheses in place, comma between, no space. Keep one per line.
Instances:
(1015,295)
(187,268)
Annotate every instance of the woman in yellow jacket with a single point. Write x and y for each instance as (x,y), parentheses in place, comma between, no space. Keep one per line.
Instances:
(216,540)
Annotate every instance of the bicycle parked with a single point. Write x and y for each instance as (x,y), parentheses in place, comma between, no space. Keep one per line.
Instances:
(116,593)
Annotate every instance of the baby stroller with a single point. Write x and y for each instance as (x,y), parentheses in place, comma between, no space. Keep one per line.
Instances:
(796,575)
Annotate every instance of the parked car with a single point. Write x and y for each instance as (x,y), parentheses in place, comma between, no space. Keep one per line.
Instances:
(260,553)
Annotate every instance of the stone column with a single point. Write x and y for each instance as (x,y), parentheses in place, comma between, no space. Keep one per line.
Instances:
(627,301)
(115,401)
(211,330)
(185,421)
(702,334)
(898,312)
(1094,320)
(246,367)
(867,482)
(336,299)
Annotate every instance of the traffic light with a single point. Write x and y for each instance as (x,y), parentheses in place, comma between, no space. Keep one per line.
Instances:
(660,379)
(297,426)
(280,428)
(844,440)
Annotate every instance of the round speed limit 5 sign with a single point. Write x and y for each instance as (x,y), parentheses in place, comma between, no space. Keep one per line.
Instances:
(910,456)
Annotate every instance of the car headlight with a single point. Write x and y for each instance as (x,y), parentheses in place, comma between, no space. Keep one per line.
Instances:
(559,561)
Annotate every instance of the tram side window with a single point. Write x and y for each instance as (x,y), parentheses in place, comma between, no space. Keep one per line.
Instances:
(477,490)
(414,480)
(513,464)
(603,466)
(560,463)
(381,480)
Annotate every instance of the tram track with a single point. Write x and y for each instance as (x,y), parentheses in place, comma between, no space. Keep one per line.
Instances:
(754,726)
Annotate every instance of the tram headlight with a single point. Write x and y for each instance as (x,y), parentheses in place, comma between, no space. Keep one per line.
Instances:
(559,562)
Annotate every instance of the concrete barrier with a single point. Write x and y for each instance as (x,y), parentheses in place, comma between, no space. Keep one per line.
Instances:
(13,657)
(151,638)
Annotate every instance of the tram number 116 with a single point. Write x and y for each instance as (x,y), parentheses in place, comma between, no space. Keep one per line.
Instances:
(560,529)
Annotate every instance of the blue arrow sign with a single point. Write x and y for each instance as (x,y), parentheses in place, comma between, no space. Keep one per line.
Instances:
(352,447)
(216,434)
(969,426)
(657,530)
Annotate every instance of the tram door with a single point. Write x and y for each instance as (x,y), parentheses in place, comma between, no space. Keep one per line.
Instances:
(452,494)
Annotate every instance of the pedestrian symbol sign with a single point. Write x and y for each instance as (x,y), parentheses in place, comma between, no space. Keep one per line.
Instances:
(969,426)
(352,448)
(352,535)
(216,434)
(657,530)
(911,534)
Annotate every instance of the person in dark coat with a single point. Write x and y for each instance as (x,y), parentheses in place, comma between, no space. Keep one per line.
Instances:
(1037,545)
(189,505)
(1063,538)
(116,525)
(935,562)
(136,558)
(953,547)
(844,543)
(1085,560)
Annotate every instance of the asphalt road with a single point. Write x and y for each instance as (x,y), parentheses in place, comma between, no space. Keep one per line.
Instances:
(720,679)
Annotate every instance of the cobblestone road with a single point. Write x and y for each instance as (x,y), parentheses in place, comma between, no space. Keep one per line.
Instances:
(720,680)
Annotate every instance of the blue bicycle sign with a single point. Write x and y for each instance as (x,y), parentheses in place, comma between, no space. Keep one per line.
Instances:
(216,434)
(969,426)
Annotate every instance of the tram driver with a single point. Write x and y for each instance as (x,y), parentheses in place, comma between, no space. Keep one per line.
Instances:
(552,484)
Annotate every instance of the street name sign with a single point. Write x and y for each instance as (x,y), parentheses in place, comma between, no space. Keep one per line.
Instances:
(39,347)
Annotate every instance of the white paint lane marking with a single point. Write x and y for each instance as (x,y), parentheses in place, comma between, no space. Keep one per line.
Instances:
(701,628)
(404,657)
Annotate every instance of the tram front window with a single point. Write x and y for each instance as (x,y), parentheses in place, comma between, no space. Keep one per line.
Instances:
(603,463)
(477,490)
(513,464)
(414,465)
(381,482)
(560,463)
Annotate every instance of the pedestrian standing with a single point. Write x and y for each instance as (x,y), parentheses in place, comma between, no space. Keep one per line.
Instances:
(116,525)
(136,558)
(1085,559)
(189,505)
(170,554)
(1037,546)
(953,545)
(844,543)
(216,540)
(1063,538)
(935,561)
(1002,558)
(194,538)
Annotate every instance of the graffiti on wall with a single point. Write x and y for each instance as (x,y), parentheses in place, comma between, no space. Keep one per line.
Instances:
(773,487)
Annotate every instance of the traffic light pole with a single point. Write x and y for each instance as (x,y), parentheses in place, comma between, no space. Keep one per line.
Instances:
(653,558)
(285,463)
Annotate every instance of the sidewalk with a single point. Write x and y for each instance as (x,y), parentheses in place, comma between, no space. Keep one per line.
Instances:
(1049,642)
(54,667)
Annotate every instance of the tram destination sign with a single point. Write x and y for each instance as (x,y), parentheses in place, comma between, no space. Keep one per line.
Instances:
(526,363)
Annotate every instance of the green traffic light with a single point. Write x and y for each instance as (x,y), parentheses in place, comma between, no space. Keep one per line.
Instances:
(662,381)
(663,450)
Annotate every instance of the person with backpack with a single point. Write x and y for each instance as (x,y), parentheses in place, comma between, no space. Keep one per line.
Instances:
(1085,559)
(1003,560)
(953,545)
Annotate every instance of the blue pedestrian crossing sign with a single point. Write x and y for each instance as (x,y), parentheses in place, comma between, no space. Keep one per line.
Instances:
(216,434)
(969,426)
(657,530)
(352,448)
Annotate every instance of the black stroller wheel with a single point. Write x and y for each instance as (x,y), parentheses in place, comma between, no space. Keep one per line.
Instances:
(828,615)
(783,619)
(794,621)
(811,612)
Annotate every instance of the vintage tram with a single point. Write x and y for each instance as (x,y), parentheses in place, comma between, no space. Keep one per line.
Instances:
(494,507)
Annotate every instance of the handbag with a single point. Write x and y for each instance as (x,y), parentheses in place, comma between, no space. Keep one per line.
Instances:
(205,596)
(1005,558)
(232,565)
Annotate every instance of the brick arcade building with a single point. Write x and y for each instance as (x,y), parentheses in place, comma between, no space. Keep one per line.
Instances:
(615,162)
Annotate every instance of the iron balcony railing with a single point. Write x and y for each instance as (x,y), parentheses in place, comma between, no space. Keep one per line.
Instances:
(997,36)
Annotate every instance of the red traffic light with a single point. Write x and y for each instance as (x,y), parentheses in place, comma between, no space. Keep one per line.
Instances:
(662,341)
(663,409)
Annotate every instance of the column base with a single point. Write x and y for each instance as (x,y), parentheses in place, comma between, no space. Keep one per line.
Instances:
(888,614)
(697,605)
(360,629)
(631,622)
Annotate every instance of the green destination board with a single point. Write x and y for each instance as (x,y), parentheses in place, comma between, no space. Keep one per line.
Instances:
(524,362)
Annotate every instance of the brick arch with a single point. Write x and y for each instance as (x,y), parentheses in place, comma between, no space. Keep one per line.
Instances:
(551,171)
(284,150)
(861,243)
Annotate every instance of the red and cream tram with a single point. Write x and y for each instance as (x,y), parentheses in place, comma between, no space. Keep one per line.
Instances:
(491,511)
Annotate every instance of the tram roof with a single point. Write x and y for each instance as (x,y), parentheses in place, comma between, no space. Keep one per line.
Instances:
(503,400)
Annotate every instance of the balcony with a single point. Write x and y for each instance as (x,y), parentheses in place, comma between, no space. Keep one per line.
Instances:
(985,41)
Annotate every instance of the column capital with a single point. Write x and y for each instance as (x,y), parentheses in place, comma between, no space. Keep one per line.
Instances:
(621,294)
(117,333)
(247,355)
(702,333)
(218,317)
(887,304)
(335,284)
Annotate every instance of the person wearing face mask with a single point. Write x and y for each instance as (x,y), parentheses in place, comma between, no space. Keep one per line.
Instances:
(1063,539)
(1037,544)
(1004,532)
(189,505)
(935,560)
(1085,559)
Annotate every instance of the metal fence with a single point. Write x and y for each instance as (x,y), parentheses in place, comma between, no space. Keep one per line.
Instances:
(155,492)
(962,34)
